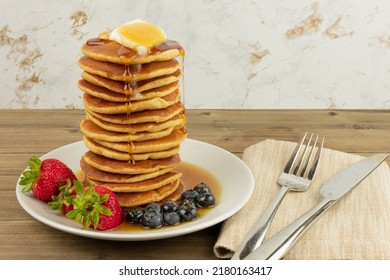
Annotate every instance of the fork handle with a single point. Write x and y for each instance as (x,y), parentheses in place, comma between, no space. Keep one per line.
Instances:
(260,228)
(277,246)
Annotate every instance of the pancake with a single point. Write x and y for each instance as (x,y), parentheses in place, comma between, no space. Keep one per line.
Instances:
(141,198)
(94,131)
(175,196)
(126,156)
(110,95)
(126,167)
(128,73)
(142,186)
(110,51)
(132,87)
(165,143)
(98,175)
(178,120)
(98,105)
(158,115)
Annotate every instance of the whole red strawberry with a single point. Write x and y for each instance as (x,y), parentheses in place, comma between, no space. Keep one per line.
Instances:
(95,206)
(44,177)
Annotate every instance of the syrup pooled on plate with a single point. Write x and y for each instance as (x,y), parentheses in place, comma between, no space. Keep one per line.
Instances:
(192,175)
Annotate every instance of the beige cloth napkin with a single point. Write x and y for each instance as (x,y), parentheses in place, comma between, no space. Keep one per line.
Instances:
(357,227)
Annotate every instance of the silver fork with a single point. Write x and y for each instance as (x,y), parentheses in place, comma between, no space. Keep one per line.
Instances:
(297,176)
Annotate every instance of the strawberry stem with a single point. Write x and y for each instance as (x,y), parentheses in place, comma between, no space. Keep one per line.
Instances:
(63,198)
(87,205)
(30,176)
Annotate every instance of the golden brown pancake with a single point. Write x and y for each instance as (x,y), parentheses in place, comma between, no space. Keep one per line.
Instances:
(178,120)
(165,143)
(141,198)
(94,131)
(158,115)
(175,196)
(107,107)
(130,87)
(109,95)
(127,167)
(106,50)
(127,73)
(126,156)
(103,176)
(142,186)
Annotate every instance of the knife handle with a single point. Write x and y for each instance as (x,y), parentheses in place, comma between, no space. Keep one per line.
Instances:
(257,233)
(277,246)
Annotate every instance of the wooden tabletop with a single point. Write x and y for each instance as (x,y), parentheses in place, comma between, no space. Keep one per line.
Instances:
(35,132)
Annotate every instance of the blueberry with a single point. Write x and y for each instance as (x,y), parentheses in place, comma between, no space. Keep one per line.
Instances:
(205,200)
(189,194)
(188,201)
(134,215)
(202,188)
(153,207)
(152,219)
(169,206)
(187,211)
(171,218)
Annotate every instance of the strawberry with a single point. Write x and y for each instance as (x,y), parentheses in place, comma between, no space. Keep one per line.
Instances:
(95,206)
(44,177)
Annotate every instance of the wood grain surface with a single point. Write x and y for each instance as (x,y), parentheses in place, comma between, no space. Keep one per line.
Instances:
(35,132)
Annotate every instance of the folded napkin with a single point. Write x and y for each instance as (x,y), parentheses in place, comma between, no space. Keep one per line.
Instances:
(357,227)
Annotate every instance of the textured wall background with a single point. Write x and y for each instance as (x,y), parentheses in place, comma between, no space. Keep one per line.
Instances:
(239,54)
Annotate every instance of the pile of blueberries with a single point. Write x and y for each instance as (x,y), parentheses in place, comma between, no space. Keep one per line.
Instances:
(172,213)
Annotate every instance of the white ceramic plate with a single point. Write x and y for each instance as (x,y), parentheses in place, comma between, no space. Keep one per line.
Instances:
(234,176)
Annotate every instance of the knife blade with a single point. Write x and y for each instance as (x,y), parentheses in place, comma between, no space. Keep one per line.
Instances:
(332,191)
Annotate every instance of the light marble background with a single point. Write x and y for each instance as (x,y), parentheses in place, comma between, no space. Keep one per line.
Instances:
(239,54)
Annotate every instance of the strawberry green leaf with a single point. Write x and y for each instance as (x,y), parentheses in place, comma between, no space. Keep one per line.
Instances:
(34,163)
(30,176)
(105,210)
(72,214)
(79,188)
(87,222)
(104,198)
(55,205)
(95,219)
(63,198)
(27,188)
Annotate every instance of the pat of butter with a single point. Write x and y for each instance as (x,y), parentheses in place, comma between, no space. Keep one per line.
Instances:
(138,35)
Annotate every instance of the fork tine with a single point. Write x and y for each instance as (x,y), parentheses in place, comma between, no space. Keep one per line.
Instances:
(316,159)
(303,156)
(291,161)
(304,172)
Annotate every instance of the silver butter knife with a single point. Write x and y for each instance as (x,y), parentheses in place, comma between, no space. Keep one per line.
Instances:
(277,246)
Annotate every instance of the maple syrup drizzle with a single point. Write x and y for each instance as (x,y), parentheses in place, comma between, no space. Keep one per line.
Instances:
(124,52)
(182,95)
(96,41)
(130,71)
(168,45)
(130,144)
(192,175)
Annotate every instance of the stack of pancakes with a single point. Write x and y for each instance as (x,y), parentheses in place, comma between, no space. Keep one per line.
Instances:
(134,121)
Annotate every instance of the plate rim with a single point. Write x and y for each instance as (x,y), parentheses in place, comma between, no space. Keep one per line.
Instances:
(126,236)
